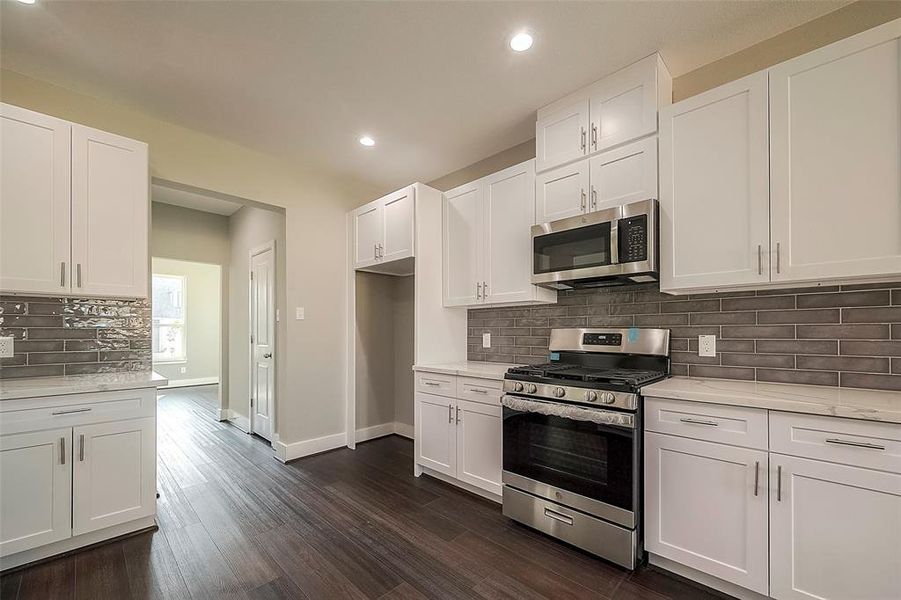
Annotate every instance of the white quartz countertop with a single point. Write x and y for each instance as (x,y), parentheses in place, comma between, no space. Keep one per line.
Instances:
(873,405)
(32,387)
(485,370)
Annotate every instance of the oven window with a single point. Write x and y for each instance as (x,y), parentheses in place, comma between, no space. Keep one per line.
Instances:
(580,248)
(578,456)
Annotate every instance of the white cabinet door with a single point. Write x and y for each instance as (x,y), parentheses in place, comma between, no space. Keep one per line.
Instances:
(509,201)
(397,213)
(561,134)
(706,507)
(623,175)
(110,214)
(114,478)
(463,245)
(479,445)
(436,434)
(35,489)
(34,202)
(714,200)
(562,193)
(835,531)
(624,105)
(835,135)
(368,231)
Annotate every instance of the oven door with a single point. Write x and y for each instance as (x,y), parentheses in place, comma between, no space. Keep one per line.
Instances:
(584,458)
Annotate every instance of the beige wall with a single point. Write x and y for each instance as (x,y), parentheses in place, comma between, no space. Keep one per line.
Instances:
(402,294)
(311,403)
(492,164)
(203,295)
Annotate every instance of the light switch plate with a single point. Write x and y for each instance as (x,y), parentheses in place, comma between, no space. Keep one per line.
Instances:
(706,345)
(6,347)
(298,314)
(486,340)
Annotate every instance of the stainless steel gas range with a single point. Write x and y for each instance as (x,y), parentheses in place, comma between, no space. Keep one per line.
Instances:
(572,438)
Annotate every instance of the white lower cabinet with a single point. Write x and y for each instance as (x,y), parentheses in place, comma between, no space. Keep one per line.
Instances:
(436,433)
(835,531)
(479,445)
(707,507)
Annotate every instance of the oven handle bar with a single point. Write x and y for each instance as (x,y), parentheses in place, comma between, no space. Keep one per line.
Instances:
(567,411)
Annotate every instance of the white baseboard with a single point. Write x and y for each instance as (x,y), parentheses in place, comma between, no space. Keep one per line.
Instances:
(177,383)
(403,430)
(285,452)
(239,421)
(224,414)
(377,431)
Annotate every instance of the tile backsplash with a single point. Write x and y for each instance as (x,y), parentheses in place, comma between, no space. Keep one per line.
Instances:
(72,336)
(847,336)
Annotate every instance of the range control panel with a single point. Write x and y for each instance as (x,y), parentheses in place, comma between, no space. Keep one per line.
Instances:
(602,339)
(633,239)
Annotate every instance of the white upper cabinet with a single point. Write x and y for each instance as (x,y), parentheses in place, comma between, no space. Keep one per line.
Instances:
(110,214)
(74,209)
(615,110)
(714,201)
(561,135)
(35,202)
(562,192)
(384,233)
(622,175)
(835,143)
(487,240)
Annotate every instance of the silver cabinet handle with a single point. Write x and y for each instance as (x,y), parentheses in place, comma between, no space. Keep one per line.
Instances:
(62,450)
(78,274)
(375,251)
(583,200)
(381,251)
(458,415)
(478,390)
(778,258)
(594,135)
(478,290)
(840,442)
(779,483)
(700,422)
(759,259)
(756,477)
(594,198)
(431,383)
(583,139)
(485,289)
(81,448)
(267,355)
(450,413)
(62,274)
(71,411)
(553,514)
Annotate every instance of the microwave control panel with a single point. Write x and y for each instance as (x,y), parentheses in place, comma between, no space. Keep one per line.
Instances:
(633,239)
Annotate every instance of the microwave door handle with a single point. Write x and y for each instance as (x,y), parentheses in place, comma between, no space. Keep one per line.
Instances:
(614,242)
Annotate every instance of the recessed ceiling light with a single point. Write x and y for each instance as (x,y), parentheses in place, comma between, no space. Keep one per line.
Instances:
(367,141)
(27,1)
(521,42)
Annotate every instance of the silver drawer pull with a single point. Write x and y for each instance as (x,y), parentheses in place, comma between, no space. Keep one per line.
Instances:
(700,422)
(756,477)
(81,448)
(62,450)
(70,412)
(431,383)
(553,514)
(478,390)
(840,442)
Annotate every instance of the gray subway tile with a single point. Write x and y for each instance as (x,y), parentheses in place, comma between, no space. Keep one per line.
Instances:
(17,333)
(572,300)
(738,359)
(82,345)
(872,315)
(798,290)
(678,370)
(662,320)
(29,321)
(721,372)
(39,346)
(842,299)
(896,366)
(724,318)
(635,309)
(611,321)
(566,321)
(813,315)
(867,286)
(678,345)
(692,358)
(549,311)
(531,322)
(31,371)
(684,306)
(876,382)
(694,331)
(50,358)
(798,376)
(759,303)
(784,332)
(746,346)
(896,297)
(843,332)
(896,332)
(12,308)
(870,348)
(532,341)
(62,333)
(14,360)
(502,331)
(797,346)
(844,363)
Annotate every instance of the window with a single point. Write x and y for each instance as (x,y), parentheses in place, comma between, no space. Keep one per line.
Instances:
(168,318)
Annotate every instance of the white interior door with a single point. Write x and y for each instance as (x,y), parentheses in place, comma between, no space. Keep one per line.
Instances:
(509,215)
(562,192)
(262,345)
(835,531)
(479,445)
(35,489)
(835,135)
(436,433)
(34,202)
(714,197)
(110,214)
(561,135)
(368,230)
(398,221)
(114,473)
(463,240)
(623,175)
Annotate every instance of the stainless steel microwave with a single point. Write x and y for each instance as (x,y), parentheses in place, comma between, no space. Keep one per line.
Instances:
(608,247)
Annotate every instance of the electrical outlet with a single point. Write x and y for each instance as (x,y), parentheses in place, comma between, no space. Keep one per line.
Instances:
(183,370)
(486,340)
(6,347)
(299,313)
(706,345)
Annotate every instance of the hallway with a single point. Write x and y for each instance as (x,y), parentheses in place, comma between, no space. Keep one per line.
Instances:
(235,523)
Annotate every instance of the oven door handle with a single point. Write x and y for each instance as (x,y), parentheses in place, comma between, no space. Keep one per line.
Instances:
(569,411)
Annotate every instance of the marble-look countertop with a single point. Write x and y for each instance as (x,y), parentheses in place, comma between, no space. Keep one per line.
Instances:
(33,387)
(872,405)
(485,370)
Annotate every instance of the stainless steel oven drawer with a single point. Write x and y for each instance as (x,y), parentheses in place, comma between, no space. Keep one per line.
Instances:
(616,544)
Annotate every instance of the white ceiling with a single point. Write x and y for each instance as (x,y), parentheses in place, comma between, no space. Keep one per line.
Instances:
(168,195)
(433,82)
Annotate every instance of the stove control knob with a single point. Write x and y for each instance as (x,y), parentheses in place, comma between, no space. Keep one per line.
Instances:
(517,387)
(608,398)
(591,396)
(559,392)
(532,388)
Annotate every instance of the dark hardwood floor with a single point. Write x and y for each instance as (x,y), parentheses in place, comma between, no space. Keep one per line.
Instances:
(235,523)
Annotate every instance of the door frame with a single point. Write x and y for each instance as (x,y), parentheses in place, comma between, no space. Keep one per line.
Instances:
(266,246)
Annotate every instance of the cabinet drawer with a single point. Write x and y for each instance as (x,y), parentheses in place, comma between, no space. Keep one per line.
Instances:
(33,414)
(488,391)
(436,383)
(848,441)
(733,425)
